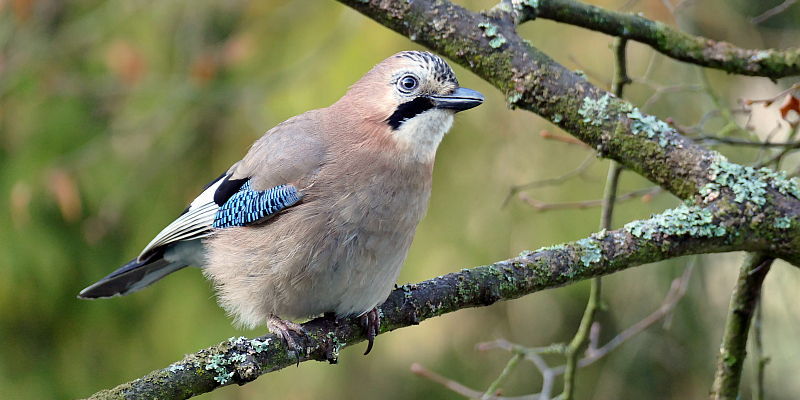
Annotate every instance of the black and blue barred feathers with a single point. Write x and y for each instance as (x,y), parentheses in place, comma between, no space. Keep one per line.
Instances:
(248,206)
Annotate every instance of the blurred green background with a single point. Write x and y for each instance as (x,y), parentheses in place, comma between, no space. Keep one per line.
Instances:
(114,114)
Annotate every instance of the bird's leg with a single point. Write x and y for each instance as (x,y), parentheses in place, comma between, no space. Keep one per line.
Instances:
(371,321)
(282,328)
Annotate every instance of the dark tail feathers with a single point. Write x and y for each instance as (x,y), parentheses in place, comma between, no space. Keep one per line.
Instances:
(131,277)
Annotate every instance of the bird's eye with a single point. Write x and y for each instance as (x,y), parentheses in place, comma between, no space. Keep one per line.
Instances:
(407,83)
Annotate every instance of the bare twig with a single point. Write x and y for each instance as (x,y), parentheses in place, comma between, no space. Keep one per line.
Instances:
(660,90)
(772,12)
(676,292)
(545,134)
(759,360)
(768,102)
(645,194)
(550,181)
(711,139)
(448,383)
(492,390)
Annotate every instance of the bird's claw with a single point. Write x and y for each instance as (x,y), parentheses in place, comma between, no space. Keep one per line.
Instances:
(371,322)
(283,329)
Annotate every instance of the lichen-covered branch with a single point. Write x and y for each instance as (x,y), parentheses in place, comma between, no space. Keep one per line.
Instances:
(685,230)
(732,352)
(490,47)
(667,40)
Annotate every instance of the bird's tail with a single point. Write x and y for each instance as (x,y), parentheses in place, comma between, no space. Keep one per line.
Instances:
(133,276)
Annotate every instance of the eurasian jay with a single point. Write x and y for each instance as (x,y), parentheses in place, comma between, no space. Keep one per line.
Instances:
(319,215)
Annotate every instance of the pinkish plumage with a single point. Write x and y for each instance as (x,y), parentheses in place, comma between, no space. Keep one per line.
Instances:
(362,168)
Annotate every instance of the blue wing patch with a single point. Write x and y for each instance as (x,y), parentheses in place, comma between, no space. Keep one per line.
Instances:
(248,206)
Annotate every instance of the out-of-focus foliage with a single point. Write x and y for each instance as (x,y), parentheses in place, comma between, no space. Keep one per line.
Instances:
(114,114)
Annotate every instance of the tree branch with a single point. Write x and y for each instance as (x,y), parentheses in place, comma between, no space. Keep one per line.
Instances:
(667,40)
(679,232)
(734,342)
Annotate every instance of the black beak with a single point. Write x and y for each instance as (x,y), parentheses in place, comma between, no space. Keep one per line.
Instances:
(460,100)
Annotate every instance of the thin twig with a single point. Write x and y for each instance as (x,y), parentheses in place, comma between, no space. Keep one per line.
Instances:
(545,134)
(768,102)
(676,292)
(645,194)
(550,181)
(459,388)
(492,390)
(711,139)
(772,12)
(759,360)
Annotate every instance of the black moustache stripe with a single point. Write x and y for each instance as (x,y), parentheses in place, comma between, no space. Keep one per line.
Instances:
(409,110)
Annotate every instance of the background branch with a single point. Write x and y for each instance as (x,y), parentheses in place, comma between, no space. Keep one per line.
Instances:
(670,41)
(734,342)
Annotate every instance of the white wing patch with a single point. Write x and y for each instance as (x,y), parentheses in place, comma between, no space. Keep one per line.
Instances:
(196,223)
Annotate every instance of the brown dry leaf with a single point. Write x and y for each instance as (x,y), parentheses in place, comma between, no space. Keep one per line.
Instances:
(238,49)
(23,9)
(791,103)
(65,191)
(126,61)
(204,68)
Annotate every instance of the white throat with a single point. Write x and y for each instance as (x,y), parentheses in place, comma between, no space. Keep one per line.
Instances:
(420,136)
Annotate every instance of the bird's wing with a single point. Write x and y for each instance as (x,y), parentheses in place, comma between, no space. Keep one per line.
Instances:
(254,188)
(288,153)
(196,221)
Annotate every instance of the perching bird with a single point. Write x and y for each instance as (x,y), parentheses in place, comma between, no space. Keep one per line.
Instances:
(319,215)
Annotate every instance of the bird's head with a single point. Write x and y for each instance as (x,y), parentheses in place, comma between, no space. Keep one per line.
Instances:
(414,94)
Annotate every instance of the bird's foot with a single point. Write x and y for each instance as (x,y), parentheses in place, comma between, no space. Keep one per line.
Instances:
(371,322)
(283,328)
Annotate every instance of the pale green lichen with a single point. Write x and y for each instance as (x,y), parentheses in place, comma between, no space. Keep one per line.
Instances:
(175,368)
(682,220)
(557,118)
(490,29)
(626,106)
(590,251)
(260,346)
(514,97)
(554,247)
(217,364)
(406,291)
(491,32)
(747,183)
(787,186)
(580,74)
(650,126)
(783,223)
(520,5)
(595,111)
(237,354)
(497,42)
(336,345)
